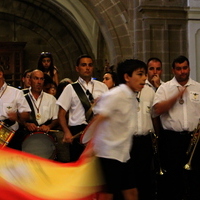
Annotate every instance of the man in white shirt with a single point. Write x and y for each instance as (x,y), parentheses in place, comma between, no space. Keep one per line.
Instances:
(70,102)
(44,117)
(142,151)
(43,104)
(14,109)
(178,104)
(154,73)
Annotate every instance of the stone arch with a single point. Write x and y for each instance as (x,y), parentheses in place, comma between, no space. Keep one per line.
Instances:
(38,23)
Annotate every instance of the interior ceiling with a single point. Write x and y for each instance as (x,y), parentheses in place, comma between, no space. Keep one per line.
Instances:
(82,17)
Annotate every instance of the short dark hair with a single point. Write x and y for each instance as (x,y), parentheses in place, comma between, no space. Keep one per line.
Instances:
(26,72)
(128,67)
(155,59)
(180,59)
(114,77)
(82,56)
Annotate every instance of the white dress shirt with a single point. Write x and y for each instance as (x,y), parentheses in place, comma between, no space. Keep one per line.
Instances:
(181,117)
(69,100)
(12,100)
(113,138)
(146,97)
(47,106)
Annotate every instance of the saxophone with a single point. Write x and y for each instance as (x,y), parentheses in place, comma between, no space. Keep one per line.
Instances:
(192,146)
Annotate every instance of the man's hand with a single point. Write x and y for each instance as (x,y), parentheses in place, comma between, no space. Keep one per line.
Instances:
(68,138)
(44,128)
(31,127)
(156,80)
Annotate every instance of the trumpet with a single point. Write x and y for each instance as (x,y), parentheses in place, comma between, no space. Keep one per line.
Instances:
(192,146)
(154,137)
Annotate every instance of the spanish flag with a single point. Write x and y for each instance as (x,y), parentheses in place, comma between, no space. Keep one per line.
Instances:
(27,177)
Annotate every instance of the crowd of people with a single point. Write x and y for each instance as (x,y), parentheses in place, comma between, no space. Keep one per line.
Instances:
(141,126)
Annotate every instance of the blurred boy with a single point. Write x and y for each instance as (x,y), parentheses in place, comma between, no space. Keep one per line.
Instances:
(114,127)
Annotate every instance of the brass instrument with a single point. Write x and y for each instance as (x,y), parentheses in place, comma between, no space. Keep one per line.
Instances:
(192,146)
(154,137)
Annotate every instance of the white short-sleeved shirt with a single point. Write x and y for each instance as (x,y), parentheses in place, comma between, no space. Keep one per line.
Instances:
(47,109)
(69,100)
(113,138)
(150,85)
(146,97)
(181,117)
(12,100)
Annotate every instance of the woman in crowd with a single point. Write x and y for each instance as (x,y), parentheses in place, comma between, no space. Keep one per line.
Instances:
(110,79)
(45,64)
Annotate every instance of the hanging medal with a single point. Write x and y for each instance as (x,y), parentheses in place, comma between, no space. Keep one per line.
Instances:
(38,115)
(181,101)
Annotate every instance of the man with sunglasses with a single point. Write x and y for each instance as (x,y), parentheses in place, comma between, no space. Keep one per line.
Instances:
(70,101)
(178,104)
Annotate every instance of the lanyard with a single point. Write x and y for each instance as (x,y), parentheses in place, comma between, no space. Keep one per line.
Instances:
(38,116)
(3,91)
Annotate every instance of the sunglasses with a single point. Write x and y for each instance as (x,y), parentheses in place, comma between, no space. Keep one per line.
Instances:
(45,53)
(91,98)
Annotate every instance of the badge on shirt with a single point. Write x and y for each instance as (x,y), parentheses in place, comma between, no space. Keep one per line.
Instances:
(194,96)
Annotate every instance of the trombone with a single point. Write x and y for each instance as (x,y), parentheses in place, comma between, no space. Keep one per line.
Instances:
(192,146)
(154,138)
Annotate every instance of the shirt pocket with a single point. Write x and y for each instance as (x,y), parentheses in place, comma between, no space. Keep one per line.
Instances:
(46,113)
(9,107)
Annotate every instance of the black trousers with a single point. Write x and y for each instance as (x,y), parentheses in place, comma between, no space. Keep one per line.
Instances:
(193,176)
(172,149)
(141,160)
(76,148)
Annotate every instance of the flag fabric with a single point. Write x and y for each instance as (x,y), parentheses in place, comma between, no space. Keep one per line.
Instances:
(28,177)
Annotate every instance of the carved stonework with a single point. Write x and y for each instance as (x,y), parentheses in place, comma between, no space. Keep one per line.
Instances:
(11,58)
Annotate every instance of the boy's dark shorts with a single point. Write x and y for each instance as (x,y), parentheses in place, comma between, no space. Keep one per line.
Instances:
(118,176)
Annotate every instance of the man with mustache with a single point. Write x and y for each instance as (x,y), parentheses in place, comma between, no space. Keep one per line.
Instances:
(177,102)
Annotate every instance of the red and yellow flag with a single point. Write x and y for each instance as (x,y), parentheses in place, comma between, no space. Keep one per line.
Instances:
(27,177)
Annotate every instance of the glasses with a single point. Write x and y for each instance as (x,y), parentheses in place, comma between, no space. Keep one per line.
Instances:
(91,98)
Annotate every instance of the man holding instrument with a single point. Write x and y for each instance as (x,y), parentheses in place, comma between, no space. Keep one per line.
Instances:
(44,109)
(178,104)
(77,98)
(14,109)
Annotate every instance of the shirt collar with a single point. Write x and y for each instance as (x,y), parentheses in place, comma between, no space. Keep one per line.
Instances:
(80,80)
(148,83)
(32,94)
(128,91)
(3,86)
(175,82)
